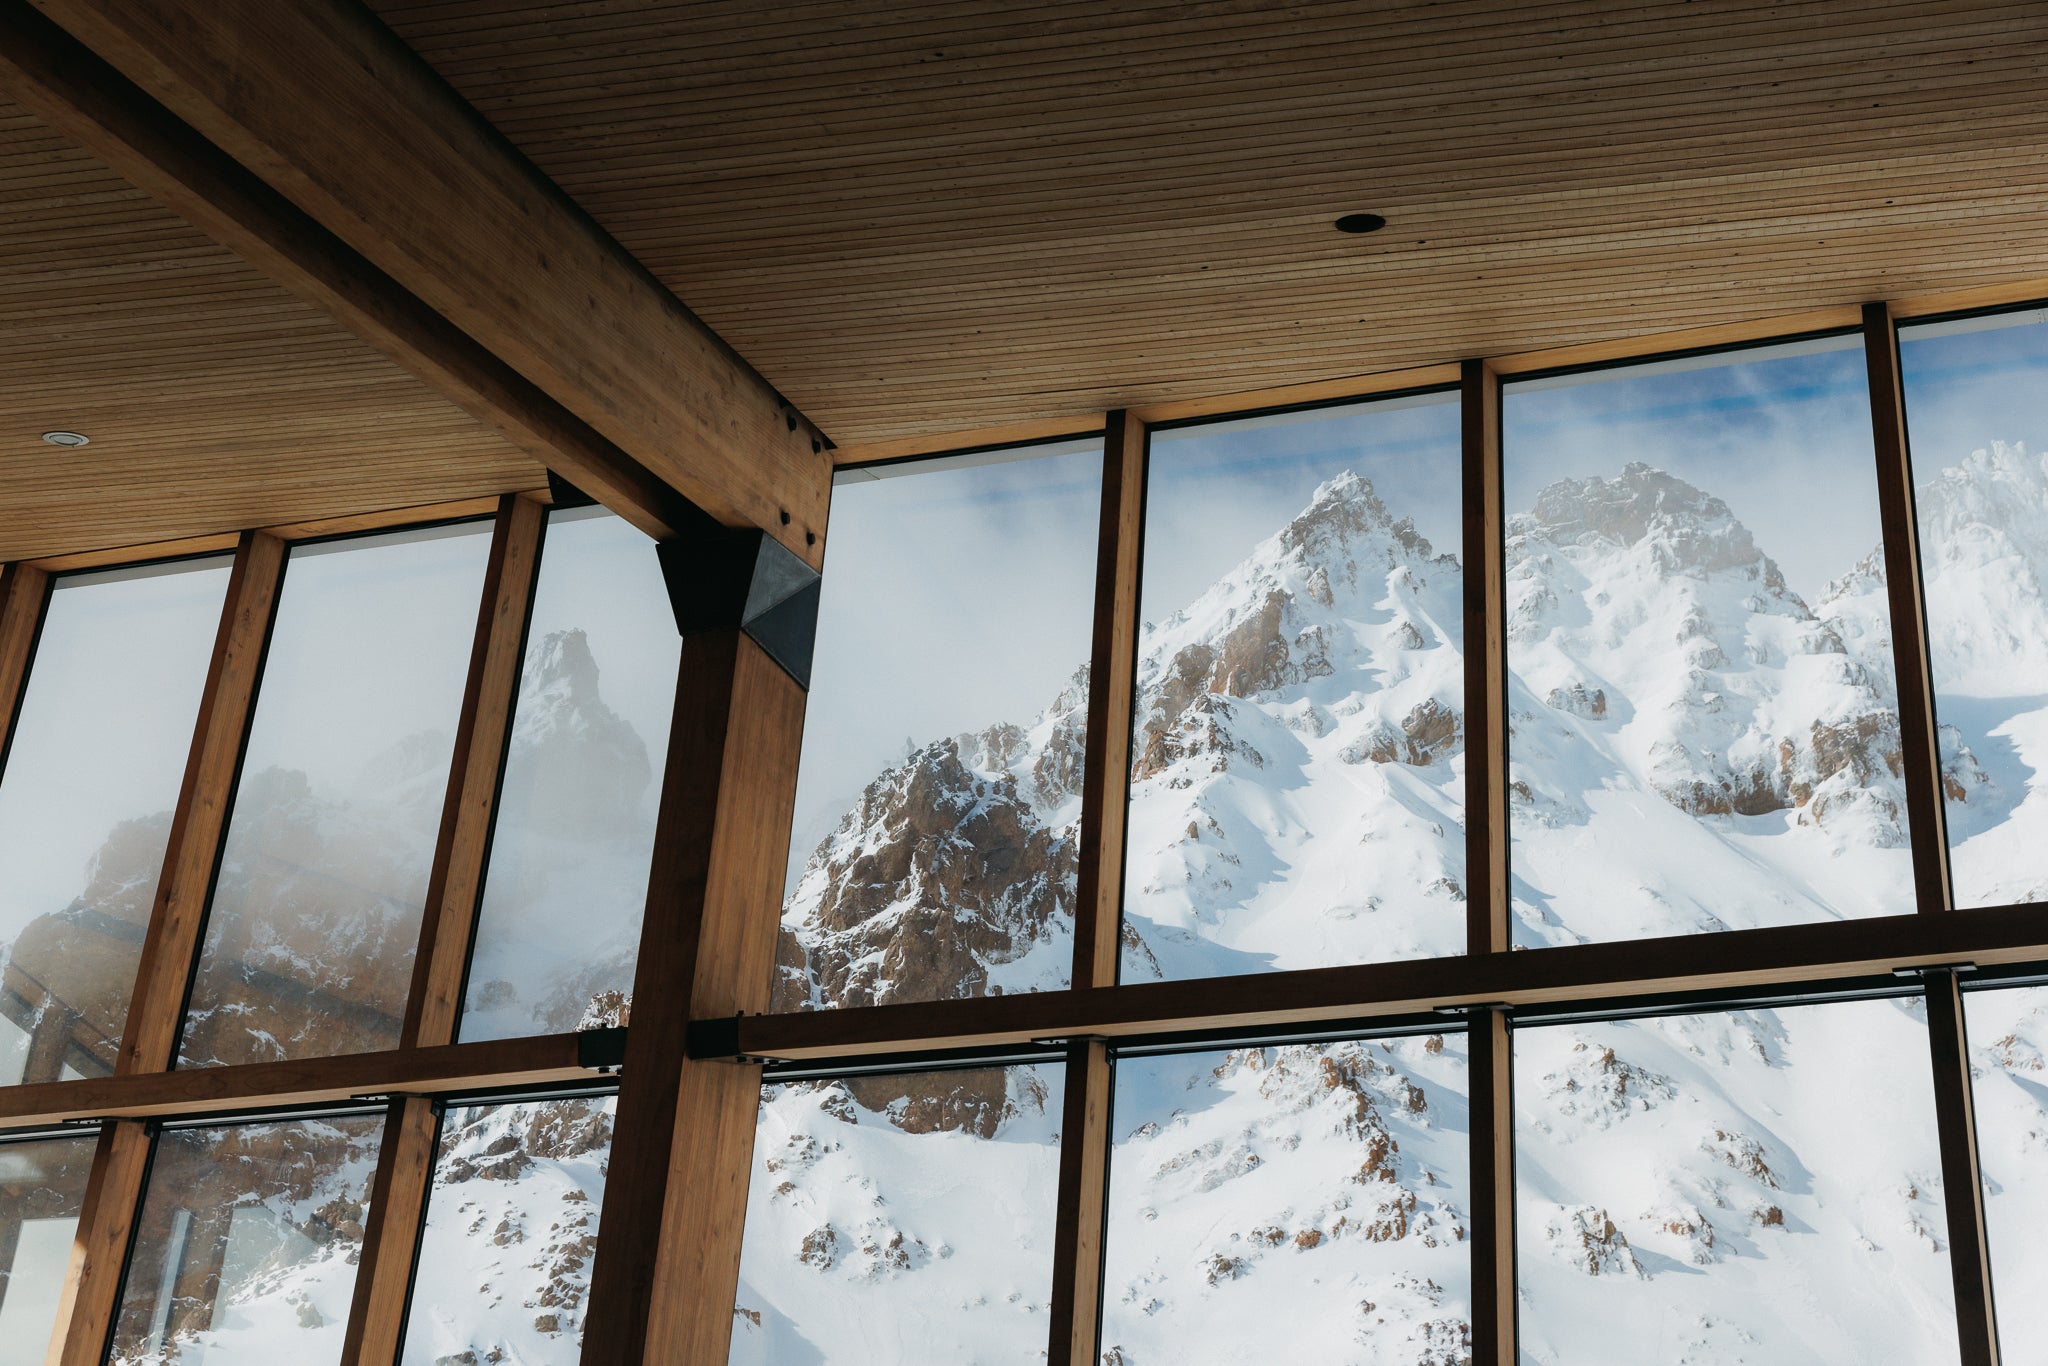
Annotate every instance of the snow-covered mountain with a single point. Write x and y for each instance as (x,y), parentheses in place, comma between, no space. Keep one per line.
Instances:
(1694,746)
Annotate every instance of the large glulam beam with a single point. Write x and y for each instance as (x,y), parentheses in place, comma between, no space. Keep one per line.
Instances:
(457,256)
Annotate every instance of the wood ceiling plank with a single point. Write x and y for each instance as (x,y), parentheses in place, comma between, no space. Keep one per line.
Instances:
(923,217)
(342,119)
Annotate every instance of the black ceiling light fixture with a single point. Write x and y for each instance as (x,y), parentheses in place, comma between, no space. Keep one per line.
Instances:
(1360,222)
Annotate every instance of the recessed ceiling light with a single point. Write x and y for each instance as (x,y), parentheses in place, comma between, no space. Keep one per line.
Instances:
(67,438)
(1361,222)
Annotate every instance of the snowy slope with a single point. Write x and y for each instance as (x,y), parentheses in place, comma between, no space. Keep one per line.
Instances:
(512,1220)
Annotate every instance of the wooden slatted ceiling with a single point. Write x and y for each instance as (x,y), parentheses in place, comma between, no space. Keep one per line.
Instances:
(933,217)
(214,399)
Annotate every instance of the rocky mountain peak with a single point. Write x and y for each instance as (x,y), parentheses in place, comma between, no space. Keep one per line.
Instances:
(1685,529)
(1343,510)
(564,666)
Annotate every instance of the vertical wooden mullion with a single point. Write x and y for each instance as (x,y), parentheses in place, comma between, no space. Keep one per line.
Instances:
(391,1236)
(1961,1176)
(24,598)
(1494,1319)
(1079,1234)
(1486,763)
(99,1253)
(455,886)
(1076,1306)
(1112,670)
(1487,925)
(667,1267)
(178,915)
(1919,736)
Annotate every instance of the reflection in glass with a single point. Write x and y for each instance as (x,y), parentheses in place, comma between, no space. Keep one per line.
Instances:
(1732,1187)
(906,1219)
(315,917)
(85,805)
(583,769)
(1300,1203)
(1703,731)
(937,808)
(42,1191)
(1977,413)
(511,1231)
(246,1248)
(2008,1033)
(1297,771)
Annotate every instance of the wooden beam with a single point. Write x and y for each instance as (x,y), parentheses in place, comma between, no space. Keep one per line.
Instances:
(1486,672)
(1078,1234)
(99,1252)
(68,87)
(1919,736)
(178,916)
(391,1238)
(1491,1069)
(663,1289)
(339,115)
(1962,1179)
(24,597)
(455,885)
(539,1060)
(1112,669)
(1762,959)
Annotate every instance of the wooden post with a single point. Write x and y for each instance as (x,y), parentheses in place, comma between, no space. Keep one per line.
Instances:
(1919,737)
(106,1223)
(24,597)
(1962,1179)
(178,917)
(1112,668)
(1491,1067)
(455,886)
(1078,1234)
(1488,928)
(663,1286)
(391,1238)
(1486,676)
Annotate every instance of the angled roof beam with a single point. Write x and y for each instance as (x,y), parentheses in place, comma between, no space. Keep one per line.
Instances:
(434,232)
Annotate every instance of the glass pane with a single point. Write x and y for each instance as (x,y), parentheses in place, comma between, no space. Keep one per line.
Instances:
(1977,411)
(316,913)
(246,1248)
(938,803)
(2008,1033)
(98,755)
(582,778)
(906,1219)
(504,1260)
(1302,1203)
(1703,732)
(42,1191)
(1733,1186)
(1297,772)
